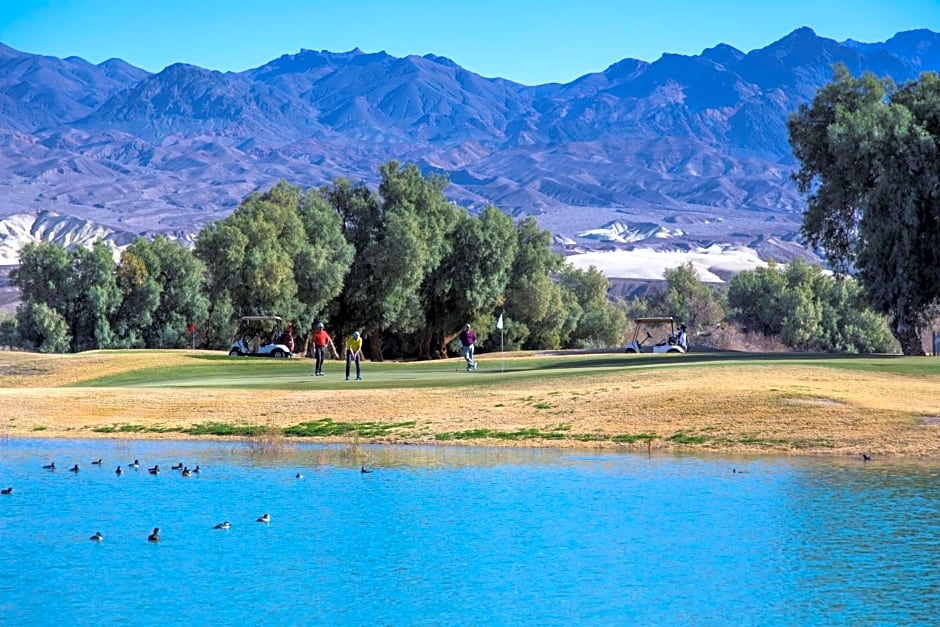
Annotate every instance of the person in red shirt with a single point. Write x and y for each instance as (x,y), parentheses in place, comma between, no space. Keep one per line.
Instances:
(321,339)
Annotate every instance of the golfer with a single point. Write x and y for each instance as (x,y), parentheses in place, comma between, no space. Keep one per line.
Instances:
(354,353)
(467,339)
(683,340)
(321,339)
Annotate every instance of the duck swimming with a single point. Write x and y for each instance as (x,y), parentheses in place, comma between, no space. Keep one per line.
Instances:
(136,464)
(363,470)
(74,468)
(97,462)
(97,537)
(223,525)
(178,466)
(298,476)
(187,472)
(118,471)
(196,469)
(49,466)
(155,536)
(265,518)
(155,470)
(6,491)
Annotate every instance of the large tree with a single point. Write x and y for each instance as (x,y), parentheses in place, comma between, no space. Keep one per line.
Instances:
(469,280)
(870,164)
(400,236)
(78,285)
(537,311)
(177,274)
(280,253)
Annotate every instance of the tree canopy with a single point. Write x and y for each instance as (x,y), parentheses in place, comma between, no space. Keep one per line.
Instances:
(869,156)
(408,269)
(808,309)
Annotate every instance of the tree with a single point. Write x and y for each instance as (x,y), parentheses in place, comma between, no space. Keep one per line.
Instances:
(140,295)
(42,328)
(400,237)
(382,282)
(176,274)
(280,253)
(96,297)
(808,309)
(599,322)
(8,333)
(45,275)
(79,285)
(470,279)
(870,166)
(755,299)
(221,246)
(690,300)
(533,301)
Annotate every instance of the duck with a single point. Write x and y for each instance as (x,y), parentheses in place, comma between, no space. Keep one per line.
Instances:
(265,518)
(364,470)
(187,472)
(6,491)
(298,476)
(118,471)
(49,466)
(135,465)
(866,457)
(97,537)
(223,525)
(196,469)
(155,536)
(155,470)
(178,466)
(74,468)
(97,462)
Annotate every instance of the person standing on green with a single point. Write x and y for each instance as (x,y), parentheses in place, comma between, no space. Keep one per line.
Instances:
(354,353)
(467,339)
(321,339)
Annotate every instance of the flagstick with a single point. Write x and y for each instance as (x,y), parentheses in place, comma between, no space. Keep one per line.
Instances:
(499,325)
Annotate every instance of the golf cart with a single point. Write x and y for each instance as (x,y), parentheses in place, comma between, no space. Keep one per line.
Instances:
(664,328)
(262,336)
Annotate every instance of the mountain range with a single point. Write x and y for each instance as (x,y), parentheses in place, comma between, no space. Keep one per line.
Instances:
(684,152)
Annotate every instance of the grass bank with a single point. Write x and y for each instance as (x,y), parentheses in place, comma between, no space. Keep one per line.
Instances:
(718,402)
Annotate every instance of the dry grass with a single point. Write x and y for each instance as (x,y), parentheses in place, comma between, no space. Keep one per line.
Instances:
(779,408)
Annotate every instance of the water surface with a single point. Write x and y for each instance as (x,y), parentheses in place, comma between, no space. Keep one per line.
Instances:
(456,535)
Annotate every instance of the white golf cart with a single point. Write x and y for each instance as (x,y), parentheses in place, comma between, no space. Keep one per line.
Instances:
(261,336)
(652,328)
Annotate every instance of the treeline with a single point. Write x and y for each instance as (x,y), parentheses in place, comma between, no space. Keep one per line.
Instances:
(402,264)
(408,269)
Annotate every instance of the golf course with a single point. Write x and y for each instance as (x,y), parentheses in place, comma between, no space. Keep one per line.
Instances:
(722,402)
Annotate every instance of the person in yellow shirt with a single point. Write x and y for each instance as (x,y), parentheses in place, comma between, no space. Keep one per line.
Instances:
(354,352)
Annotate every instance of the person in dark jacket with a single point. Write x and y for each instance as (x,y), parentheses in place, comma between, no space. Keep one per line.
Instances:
(467,339)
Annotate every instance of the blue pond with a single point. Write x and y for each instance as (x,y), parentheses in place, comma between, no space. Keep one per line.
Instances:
(462,536)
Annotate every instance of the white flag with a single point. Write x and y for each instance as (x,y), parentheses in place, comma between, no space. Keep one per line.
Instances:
(499,323)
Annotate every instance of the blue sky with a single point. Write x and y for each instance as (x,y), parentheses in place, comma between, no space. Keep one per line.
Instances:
(528,41)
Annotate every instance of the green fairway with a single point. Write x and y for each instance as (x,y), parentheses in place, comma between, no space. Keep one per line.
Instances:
(222,371)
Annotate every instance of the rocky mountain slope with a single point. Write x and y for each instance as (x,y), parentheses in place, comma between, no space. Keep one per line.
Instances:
(686,152)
